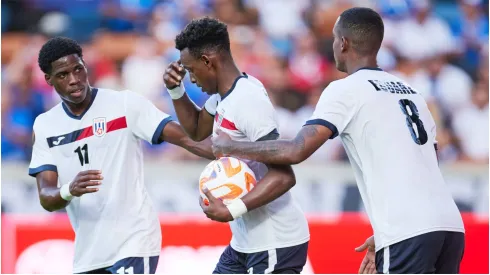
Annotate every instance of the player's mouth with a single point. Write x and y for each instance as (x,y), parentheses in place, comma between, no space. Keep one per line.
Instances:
(77,93)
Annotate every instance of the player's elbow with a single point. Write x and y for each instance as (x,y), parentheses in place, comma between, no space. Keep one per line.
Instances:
(296,157)
(289,181)
(286,178)
(48,207)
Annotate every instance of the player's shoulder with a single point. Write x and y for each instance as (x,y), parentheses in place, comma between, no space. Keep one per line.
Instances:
(43,120)
(250,89)
(339,86)
(112,95)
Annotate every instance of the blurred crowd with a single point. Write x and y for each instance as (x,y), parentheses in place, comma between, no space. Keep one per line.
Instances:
(439,47)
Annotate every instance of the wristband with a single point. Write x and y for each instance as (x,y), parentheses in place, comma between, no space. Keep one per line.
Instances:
(237,208)
(177,92)
(65,192)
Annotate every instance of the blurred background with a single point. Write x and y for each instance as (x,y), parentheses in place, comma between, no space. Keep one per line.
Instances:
(439,47)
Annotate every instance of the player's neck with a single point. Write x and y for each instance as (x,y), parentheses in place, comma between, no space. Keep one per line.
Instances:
(362,62)
(227,77)
(78,109)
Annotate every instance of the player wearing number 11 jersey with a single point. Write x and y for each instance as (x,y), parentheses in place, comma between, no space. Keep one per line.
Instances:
(389,135)
(87,157)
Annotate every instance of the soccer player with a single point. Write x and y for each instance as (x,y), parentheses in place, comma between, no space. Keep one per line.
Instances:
(87,158)
(389,135)
(270,231)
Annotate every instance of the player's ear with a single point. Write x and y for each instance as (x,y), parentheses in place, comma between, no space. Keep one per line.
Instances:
(206,60)
(47,77)
(344,44)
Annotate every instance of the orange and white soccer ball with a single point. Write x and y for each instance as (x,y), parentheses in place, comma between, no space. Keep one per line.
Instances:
(227,178)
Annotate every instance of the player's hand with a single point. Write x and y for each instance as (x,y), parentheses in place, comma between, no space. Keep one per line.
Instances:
(221,142)
(85,181)
(216,210)
(368,264)
(173,75)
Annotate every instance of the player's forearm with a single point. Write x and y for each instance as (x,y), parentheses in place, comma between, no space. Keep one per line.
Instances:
(202,148)
(188,113)
(51,199)
(274,184)
(279,152)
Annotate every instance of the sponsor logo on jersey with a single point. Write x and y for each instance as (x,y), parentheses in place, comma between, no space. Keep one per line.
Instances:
(99,126)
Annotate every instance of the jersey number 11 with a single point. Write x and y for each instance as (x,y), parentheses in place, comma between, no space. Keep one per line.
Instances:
(82,157)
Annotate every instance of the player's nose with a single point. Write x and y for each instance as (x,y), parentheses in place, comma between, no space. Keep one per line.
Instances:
(73,79)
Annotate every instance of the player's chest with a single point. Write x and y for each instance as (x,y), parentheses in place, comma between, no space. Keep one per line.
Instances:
(82,140)
(224,120)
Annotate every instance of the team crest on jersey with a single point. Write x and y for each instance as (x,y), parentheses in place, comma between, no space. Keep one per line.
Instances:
(99,126)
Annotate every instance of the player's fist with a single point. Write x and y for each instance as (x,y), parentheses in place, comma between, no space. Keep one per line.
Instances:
(85,182)
(173,75)
(215,210)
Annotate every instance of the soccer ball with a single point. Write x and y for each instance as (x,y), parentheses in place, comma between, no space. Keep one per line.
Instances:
(227,179)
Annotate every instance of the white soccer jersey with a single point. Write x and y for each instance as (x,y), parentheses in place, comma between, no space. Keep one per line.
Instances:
(247,114)
(389,134)
(119,220)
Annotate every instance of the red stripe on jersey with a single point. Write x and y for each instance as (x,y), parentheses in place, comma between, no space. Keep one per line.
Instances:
(116,124)
(113,125)
(86,132)
(228,125)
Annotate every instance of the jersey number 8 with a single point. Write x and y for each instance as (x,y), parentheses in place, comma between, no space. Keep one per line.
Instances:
(413,118)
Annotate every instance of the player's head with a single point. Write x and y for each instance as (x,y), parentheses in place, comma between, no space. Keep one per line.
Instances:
(60,59)
(358,33)
(203,45)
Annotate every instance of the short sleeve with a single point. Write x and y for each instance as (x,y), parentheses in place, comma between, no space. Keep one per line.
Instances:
(42,158)
(211,104)
(256,117)
(335,109)
(145,120)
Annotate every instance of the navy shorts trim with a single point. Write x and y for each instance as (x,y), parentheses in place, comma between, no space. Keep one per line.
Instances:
(290,260)
(433,252)
(131,265)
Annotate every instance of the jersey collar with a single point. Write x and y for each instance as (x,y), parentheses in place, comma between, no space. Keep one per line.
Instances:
(67,111)
(370,68)
(233,86)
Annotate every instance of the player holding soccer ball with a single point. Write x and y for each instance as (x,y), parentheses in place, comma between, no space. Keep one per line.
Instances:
(270,231)
(389,135)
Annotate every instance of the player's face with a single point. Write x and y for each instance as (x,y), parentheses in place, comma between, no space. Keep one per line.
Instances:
(338,48)
(200,72)
(69,78)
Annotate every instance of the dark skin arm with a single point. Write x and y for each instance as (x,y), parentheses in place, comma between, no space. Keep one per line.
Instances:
(285,152)
(197,122)
(49,193)
(278,180)
(173,133)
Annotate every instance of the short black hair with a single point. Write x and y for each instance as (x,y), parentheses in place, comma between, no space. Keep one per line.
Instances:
(204,34)
(56,48)
(365,29)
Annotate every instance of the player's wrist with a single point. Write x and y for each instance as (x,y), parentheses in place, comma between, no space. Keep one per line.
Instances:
(237,208)
(177,92)
(65,192)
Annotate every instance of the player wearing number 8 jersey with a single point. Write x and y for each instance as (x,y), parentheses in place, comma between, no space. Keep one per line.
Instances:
(389,136)
(87,157)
